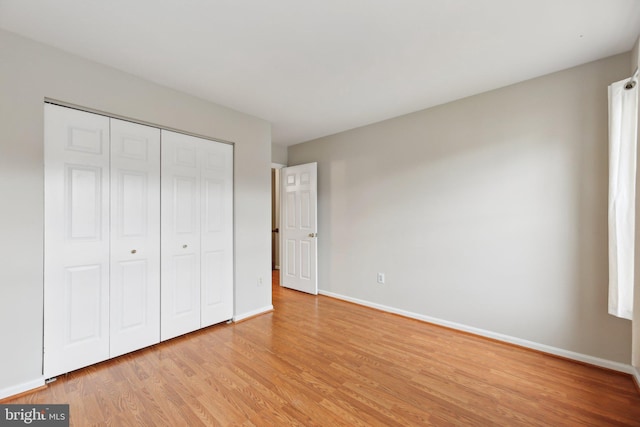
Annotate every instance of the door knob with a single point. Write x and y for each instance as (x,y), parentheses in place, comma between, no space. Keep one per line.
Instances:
(184,246)
(133,251)
(313,234)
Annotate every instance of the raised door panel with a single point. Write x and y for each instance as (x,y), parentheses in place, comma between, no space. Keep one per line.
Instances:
(76,282)
(290,224)
(135,237)
(83,285)
(217,232)
(180,235)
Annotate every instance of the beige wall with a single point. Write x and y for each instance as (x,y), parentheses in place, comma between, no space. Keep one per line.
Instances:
(279,154)
(29,72)
(490,212)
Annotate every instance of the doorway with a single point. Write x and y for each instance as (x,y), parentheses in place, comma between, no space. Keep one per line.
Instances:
(275,216)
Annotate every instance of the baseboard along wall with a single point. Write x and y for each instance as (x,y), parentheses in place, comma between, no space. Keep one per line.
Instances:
(18,389)
(253,313)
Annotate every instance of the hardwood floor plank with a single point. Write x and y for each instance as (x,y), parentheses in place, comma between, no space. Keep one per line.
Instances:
(318,361)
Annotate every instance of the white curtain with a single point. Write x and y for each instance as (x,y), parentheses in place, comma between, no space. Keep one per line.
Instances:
(623,130)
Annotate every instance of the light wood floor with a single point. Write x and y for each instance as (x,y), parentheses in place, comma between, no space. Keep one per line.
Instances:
(320,361)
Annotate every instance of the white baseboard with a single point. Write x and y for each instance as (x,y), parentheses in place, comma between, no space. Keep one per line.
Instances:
(604,363)
(636,376)
(21,388)
(253,313)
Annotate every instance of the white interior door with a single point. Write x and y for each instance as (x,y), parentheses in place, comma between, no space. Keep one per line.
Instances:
(180,235)
(76,240)
(299,228)
(217,232)
(135,237)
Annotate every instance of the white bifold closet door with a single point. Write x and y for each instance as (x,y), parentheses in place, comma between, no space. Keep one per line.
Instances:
(135,237)
(76,240)
(196,233)
(102,216)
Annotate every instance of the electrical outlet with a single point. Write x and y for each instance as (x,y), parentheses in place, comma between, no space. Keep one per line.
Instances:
(381,278)
(259,281)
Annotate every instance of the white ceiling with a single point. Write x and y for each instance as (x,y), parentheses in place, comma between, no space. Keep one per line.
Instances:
(317,67)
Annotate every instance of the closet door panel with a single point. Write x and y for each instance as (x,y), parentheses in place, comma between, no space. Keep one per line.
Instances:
(76,243)
(217,232)
(180,235)
(135,237)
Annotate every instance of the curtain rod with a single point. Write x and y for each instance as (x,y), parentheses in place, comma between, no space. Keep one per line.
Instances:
(631,83)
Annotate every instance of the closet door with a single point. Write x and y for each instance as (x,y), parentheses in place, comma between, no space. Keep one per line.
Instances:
(135,237)
(217,232)
(197,233)
(76,231)
(180,235)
